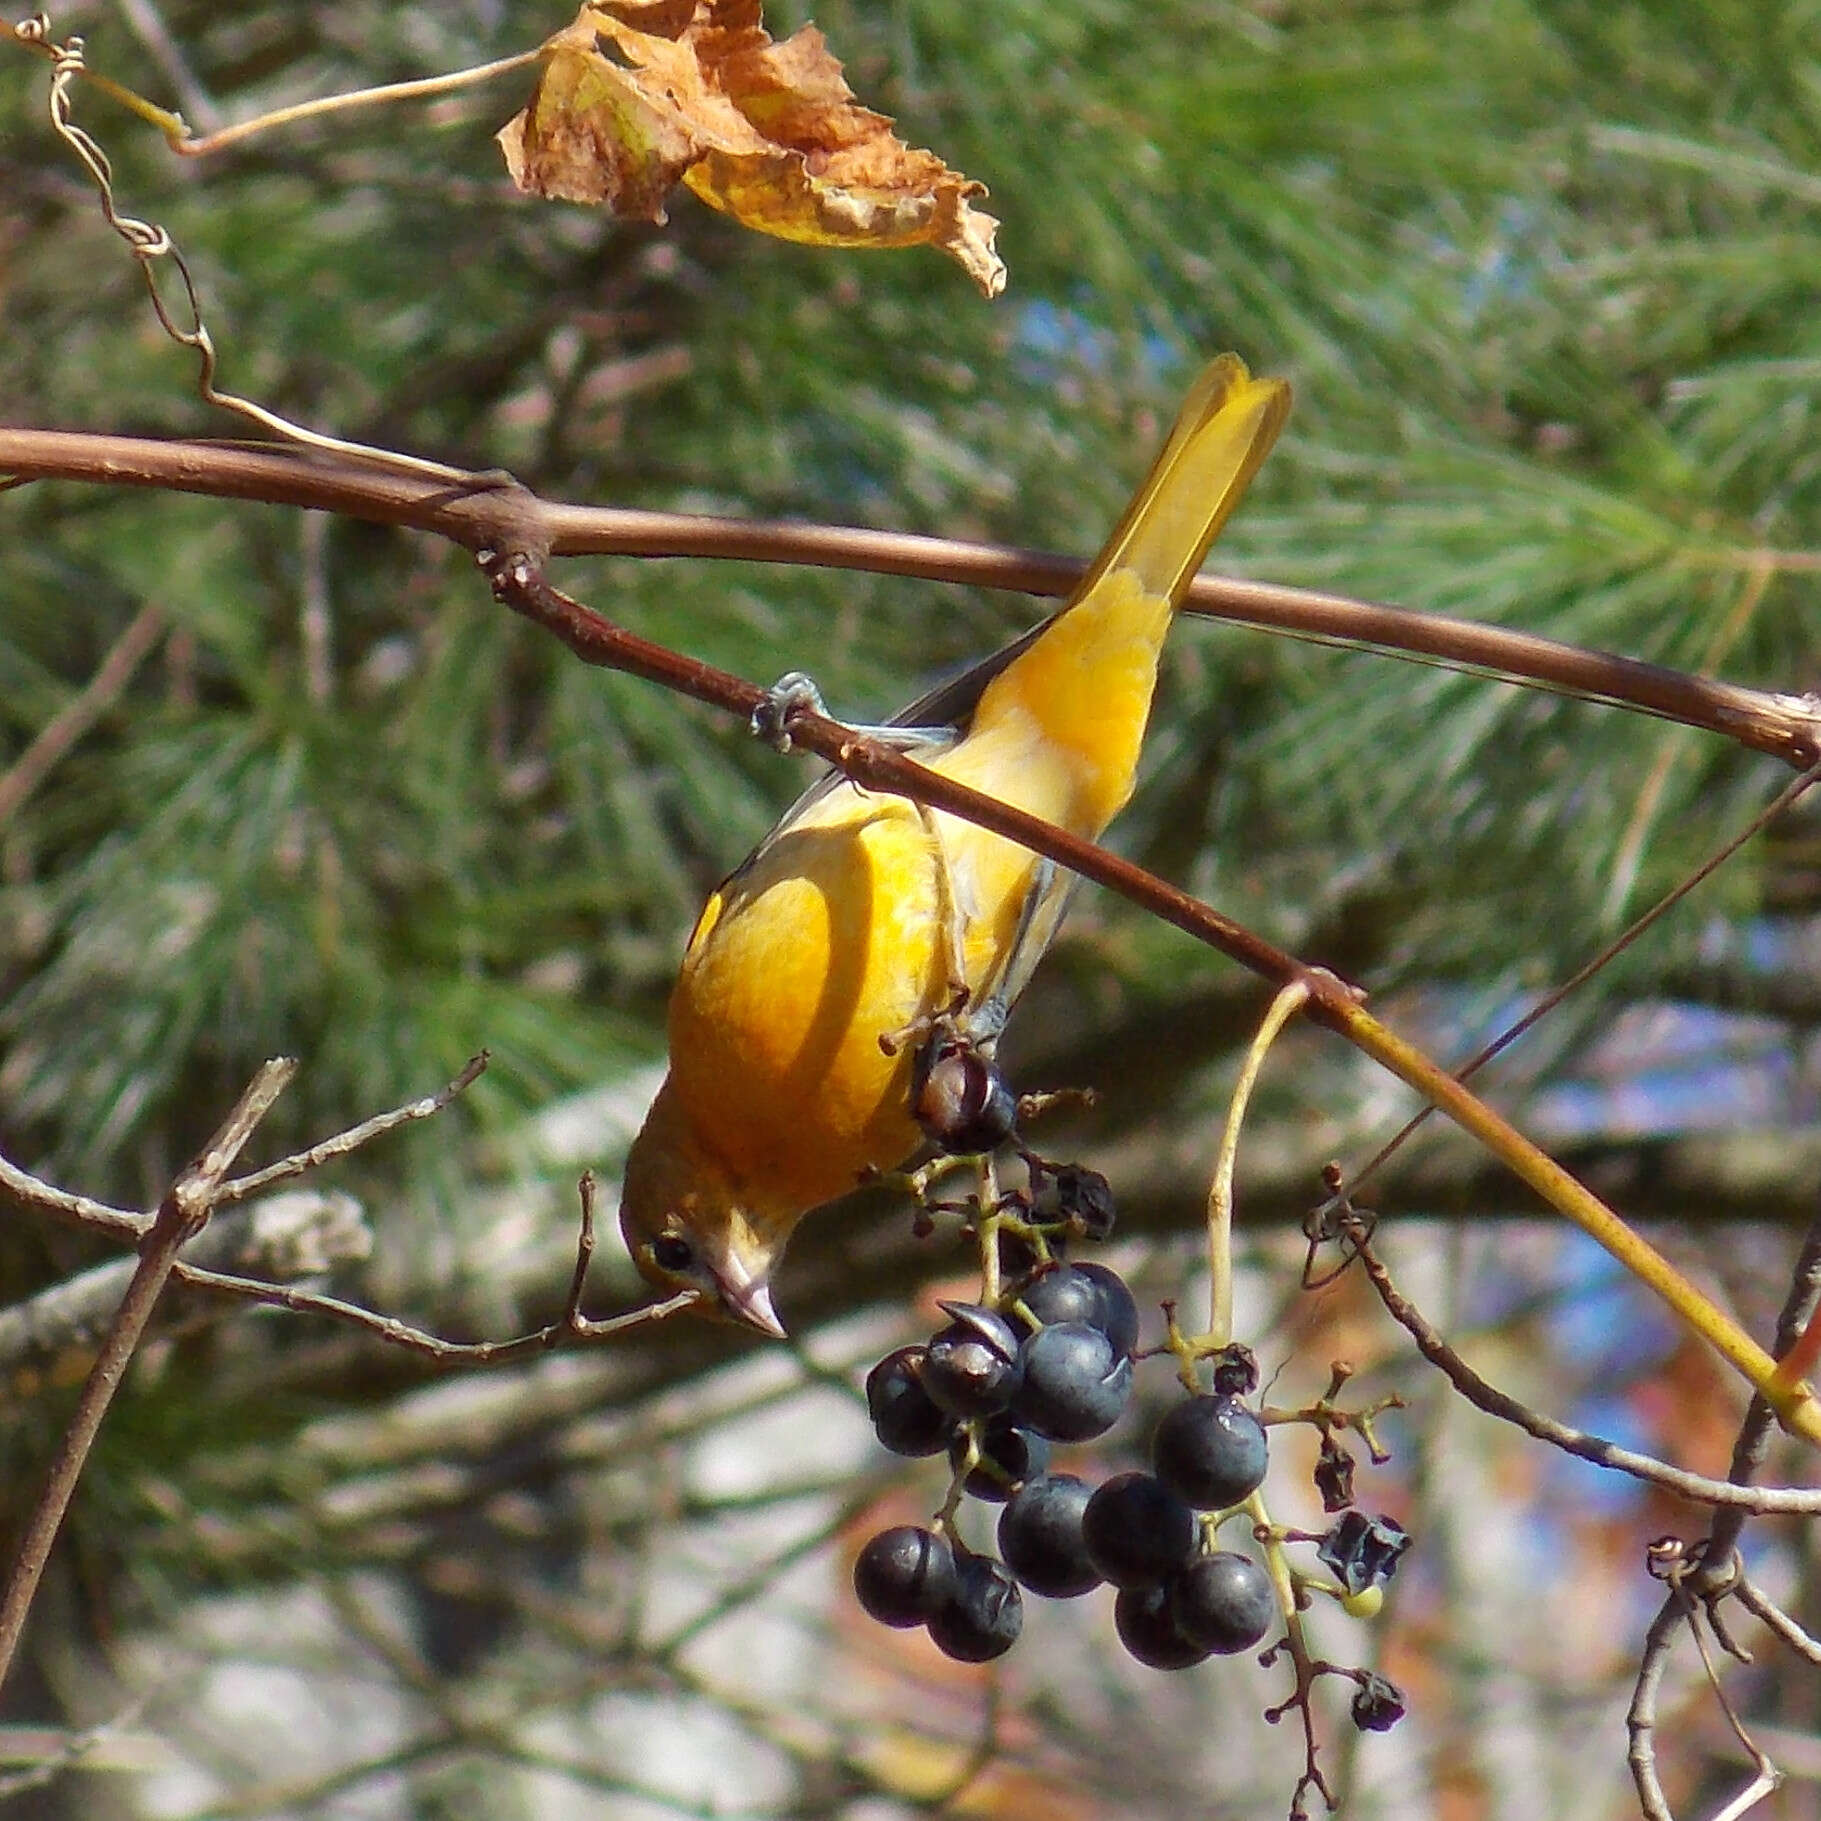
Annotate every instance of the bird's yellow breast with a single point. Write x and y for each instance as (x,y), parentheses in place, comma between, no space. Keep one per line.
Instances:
(797,966)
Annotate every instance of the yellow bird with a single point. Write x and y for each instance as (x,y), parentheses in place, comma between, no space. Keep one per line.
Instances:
(850,921)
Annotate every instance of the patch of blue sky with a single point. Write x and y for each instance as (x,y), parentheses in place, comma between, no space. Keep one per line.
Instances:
(1590,1490)
(1511,263)
(1766,946)
(1725,1094)
(1591,1308)
(1602,1317)
(1052,340)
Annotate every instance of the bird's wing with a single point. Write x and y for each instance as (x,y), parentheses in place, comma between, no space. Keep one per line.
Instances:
(1163,536)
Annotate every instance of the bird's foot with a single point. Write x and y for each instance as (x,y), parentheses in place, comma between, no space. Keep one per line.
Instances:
(792,694)
(927,1024)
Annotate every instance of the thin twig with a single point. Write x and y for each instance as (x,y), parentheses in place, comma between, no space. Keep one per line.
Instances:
(1758,1426)
(1761,1606)
(1685,1603)
(301,1233)
(1485,1396)
(355,1136)
(571,1327)
(1714,1573)
(81,712)
(110,1744)
(181,1215)
(1595,964)
(1767,1776)
(421,88)
(1641,1716)
(81,1210)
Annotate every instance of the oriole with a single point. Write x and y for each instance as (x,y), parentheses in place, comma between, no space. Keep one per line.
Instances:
(848,921)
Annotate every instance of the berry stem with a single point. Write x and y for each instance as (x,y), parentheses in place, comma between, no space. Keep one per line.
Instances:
(1220,1191)
(944,1519)
(1304,1666)
(990,1221)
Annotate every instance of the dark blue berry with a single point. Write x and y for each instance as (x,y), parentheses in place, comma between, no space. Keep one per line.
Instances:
(906,1419)
(1222,1602)
(1141,1616)
(959,1098)
(982,1617)
(1118,1316)
(1041,1541)
(1210,1451)
(903,1575)
(971,1367)
(1062,1293)
(1072,1385)
(1137,1530)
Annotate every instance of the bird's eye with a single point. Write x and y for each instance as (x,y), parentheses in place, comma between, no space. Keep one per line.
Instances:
(672,1254)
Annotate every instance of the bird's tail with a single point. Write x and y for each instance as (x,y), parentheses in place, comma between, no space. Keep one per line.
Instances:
(1224,430)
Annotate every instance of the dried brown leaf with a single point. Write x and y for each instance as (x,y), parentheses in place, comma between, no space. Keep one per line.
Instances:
(636,95)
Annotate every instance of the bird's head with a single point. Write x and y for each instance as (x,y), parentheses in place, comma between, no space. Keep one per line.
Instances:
(689,1227)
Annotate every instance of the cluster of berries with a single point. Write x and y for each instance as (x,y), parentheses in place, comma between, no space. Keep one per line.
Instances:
(1048,1356)
(994,1389)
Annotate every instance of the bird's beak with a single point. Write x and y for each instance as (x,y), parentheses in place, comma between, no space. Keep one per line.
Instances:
(748,1299)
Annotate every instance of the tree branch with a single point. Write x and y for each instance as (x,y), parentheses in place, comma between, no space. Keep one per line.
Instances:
(496,513)
(182,1214)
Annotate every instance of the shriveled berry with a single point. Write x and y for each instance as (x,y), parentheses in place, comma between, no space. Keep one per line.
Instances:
(1235,1370)
(1083,1199)
(971,1367)
(1018,1455)
(982,1617)
(1222,1602)
(1379,1705)
(1040,1537)
(903,1575)
(906,1419)
(1210,1451)
(1141,1616)
(1363,1552)
(1072,1385)
(1118,1316)
(1334,1476)
(1137,1530)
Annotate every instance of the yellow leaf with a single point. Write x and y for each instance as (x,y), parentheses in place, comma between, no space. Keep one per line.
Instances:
(636,95)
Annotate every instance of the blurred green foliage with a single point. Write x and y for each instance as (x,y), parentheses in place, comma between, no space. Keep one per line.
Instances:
(1543,273)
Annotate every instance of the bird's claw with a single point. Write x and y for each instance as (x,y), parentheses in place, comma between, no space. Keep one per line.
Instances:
(792,694)
(926,1024)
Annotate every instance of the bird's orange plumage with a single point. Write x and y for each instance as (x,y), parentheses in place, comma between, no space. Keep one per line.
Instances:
(834,932)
